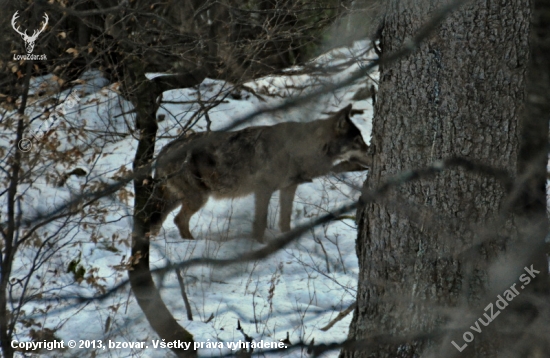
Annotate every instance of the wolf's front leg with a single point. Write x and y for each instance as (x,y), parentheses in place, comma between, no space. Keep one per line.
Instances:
(262,197)
(286,198)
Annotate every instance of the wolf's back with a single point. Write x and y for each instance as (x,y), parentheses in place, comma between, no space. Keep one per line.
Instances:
(223,163)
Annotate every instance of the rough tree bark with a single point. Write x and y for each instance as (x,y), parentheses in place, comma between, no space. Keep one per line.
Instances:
(422,249)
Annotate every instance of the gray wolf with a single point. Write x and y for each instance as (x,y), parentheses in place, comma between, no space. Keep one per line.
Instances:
(257,160)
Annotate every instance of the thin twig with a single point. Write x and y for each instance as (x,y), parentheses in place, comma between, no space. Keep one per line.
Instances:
(184,295)
(340,316)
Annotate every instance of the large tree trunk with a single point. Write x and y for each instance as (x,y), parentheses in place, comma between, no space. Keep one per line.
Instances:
(427,245)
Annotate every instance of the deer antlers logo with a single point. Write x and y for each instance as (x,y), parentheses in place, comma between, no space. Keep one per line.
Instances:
(29,40)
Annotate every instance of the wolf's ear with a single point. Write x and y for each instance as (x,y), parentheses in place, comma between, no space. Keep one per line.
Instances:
(343,121)
(350,111)
(347,111)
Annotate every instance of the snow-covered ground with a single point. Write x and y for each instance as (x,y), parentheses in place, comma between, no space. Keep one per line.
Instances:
(297,290)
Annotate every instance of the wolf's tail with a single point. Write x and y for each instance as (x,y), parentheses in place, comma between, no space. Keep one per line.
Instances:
(163,202)
(158,208)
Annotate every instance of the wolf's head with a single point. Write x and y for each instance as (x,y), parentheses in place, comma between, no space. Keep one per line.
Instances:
(347,144)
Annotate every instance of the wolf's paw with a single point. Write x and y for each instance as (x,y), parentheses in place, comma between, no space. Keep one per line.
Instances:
(186,235)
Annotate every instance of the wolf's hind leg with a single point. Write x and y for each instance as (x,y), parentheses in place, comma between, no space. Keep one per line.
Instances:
(286,198)
(189,206)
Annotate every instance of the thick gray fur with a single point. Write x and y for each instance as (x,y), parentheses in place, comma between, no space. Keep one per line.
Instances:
(257,160)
